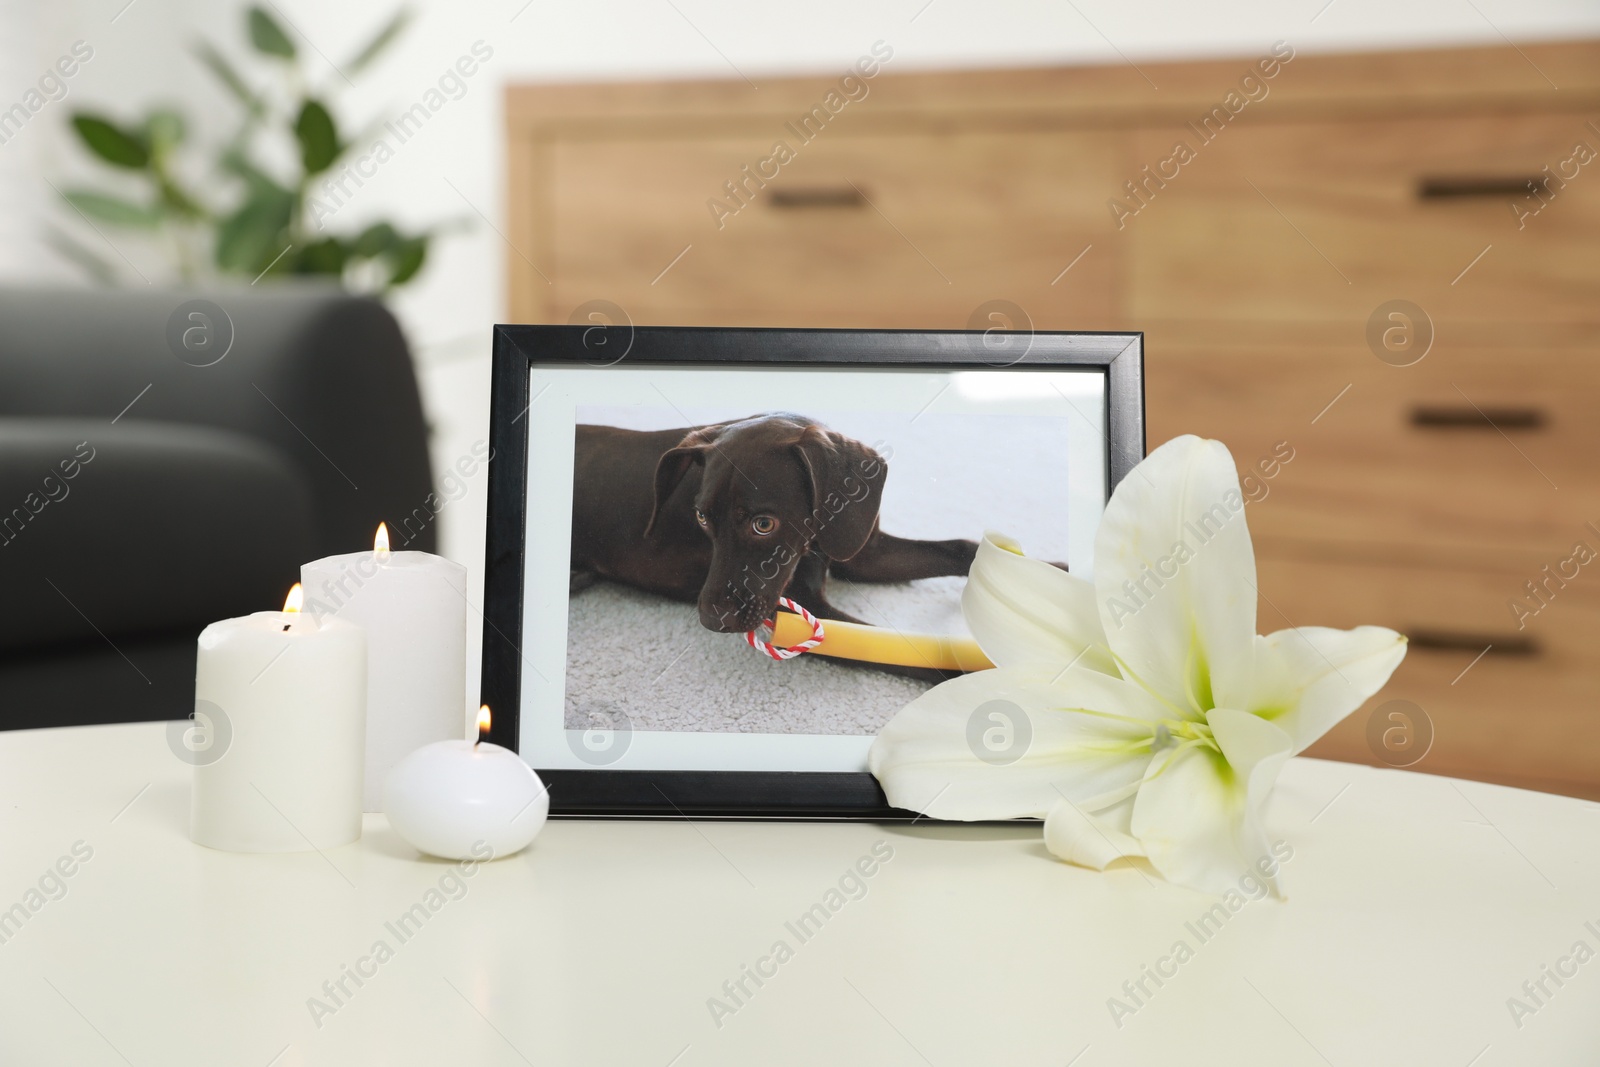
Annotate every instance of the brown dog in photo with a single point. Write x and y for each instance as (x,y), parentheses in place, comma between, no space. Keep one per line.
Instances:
(734,515)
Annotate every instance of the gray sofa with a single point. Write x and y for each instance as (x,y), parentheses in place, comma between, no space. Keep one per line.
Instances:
(148,487)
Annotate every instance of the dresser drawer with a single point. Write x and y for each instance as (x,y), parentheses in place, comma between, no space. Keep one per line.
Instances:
(903,229)
(1405,460)
(1524,714)
(1318,220)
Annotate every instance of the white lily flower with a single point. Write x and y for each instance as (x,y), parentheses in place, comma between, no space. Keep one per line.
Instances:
(1147,716)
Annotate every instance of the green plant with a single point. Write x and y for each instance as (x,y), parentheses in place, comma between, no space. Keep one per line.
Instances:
(243,218)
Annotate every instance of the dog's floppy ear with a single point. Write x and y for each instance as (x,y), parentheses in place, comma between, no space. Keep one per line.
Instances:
(675,463)
(847,481)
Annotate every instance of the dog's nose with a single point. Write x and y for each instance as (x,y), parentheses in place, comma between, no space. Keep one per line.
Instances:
(728,619)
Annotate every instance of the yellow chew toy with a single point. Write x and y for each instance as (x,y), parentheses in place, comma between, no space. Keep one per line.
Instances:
(872,644)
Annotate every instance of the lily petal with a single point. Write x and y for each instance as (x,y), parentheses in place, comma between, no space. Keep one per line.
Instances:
(1090,840)
(1310,678)
(930,756)
(1024,610)
(1197,813)
(1175,575)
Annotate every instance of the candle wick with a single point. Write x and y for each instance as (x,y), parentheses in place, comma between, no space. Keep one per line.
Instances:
(285,627)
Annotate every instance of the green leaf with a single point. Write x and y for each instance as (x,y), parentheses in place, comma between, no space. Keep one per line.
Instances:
(250,238)
(180,201)
(375,240)
(326,256)
(215,62)
(380,41)
(234,161)
(319,141)
(406,259)
(119,147)
(113,209)
(268,36)
(164,130)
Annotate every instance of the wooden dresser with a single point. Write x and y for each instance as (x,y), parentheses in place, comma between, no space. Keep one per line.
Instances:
(1345,259)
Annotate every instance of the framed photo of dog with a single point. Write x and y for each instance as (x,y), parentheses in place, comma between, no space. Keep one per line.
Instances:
(719,560)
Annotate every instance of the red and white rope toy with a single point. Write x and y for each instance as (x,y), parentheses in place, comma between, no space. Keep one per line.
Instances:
(792,651)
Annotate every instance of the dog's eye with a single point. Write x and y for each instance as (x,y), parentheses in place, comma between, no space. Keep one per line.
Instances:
(763,524)
(700,517)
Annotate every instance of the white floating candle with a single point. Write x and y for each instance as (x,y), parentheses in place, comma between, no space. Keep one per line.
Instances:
(291,692)
(450,798)
(413,606)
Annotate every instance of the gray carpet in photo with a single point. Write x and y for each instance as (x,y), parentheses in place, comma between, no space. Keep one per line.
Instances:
(949,476)
(664,671)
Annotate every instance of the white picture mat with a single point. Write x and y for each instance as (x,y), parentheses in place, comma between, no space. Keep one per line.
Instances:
(555,393)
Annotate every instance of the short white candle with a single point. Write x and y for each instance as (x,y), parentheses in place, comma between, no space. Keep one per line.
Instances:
(290,693)
(450,798)
(413,606)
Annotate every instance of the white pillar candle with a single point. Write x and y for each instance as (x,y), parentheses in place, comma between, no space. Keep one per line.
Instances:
(286,697)
(451,798)
(413,606)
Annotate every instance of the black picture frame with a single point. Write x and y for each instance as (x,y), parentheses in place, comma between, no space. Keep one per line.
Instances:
(605,792)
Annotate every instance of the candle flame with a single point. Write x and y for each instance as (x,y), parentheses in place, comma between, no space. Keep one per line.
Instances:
(295,599)
(483,722)
(380,540)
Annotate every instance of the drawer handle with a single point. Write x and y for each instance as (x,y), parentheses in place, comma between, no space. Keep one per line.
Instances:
(1475,188)
(1447,417)
(823,196)
(1425,640)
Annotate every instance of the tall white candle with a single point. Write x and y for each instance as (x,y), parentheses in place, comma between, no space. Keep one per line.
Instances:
(285,694)
(413,606)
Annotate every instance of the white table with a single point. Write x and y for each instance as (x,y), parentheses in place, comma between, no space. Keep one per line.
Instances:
(1418,906)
